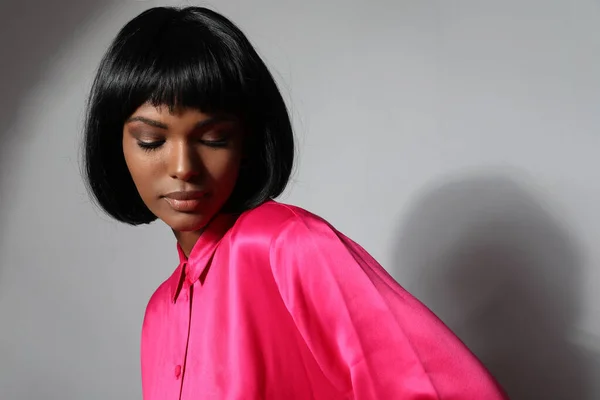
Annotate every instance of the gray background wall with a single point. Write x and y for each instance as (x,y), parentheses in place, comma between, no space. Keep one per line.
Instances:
(456,141)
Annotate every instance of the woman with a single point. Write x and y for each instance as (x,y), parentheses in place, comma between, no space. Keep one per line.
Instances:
(186,124)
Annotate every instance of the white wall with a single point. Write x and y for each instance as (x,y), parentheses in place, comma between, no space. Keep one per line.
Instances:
(457,141)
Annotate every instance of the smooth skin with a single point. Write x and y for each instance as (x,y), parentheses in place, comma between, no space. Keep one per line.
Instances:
(184,165)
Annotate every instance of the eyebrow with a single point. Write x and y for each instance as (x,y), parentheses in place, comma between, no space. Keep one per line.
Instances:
(200,124)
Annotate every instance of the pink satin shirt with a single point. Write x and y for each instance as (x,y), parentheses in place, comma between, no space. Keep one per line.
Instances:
(277,304)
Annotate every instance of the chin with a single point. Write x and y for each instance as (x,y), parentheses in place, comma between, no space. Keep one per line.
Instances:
(187,222)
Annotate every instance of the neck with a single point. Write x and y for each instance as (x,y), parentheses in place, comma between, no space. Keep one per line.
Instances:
(187,240)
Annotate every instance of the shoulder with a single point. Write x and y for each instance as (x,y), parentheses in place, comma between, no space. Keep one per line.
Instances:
(273,218)
(274,228)
(161,298)
(289,232)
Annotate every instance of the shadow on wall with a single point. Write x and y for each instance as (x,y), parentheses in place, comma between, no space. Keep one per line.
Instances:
(496,267)
(32,33)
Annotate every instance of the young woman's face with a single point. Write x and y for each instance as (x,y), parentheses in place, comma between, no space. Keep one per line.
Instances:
(184,164)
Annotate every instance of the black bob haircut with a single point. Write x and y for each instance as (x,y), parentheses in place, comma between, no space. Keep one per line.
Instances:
(188,57)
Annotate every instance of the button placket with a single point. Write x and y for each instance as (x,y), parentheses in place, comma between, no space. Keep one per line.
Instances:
(176,371)
(180,368)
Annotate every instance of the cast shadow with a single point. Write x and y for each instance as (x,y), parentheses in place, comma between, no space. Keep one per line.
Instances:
(489,259)
(32,33)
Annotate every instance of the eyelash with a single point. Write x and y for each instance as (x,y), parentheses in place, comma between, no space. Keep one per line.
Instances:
(215,143)
(150,146)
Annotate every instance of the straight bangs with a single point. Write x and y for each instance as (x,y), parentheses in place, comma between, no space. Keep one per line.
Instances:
(179,65)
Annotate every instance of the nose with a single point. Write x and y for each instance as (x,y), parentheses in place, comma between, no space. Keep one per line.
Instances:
(184,163)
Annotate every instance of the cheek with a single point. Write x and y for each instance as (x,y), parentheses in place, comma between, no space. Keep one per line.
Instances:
(142,170)
(223,170)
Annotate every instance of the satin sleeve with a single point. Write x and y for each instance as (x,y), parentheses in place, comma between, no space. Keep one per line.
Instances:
(370,337)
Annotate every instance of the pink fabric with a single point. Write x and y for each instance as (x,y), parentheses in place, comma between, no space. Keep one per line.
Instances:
(279,305)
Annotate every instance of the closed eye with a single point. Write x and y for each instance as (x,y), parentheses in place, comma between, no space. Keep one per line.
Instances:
(149,146)
(215,143)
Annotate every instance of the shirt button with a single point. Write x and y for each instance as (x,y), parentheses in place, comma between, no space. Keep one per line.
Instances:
(177,371)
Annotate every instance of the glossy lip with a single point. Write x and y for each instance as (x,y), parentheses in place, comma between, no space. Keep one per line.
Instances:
(185,201)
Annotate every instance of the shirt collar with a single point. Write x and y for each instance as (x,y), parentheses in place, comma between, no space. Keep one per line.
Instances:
(192,268)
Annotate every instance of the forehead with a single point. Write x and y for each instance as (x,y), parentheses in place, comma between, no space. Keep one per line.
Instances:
(166,116)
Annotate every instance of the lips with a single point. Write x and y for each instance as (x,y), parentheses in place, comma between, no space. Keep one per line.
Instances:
(186,201)
(186,195)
